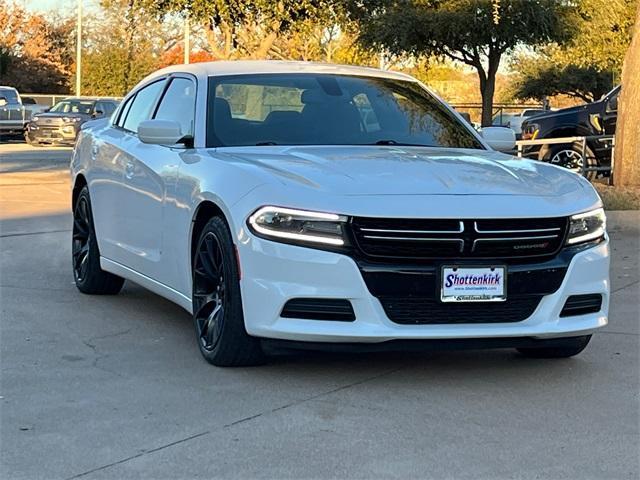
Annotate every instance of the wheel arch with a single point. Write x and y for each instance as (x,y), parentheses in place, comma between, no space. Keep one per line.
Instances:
(559,132)
(205,211)
(79,183)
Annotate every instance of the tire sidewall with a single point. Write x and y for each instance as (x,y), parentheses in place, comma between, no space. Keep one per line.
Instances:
(590,159)
(233,321)
(94,253)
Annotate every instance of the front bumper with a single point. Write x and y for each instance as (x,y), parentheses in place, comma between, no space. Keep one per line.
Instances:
(273,273)
(52,135)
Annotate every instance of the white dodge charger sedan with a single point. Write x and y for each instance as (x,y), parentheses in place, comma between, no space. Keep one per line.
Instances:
(290,204)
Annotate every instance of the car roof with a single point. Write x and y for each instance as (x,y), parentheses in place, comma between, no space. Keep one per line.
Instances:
(246,67)
(88,99)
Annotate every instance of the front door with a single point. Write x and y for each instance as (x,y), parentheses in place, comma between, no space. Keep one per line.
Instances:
(150,174)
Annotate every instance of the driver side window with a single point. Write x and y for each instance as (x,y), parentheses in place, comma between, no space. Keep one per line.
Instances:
(612,103)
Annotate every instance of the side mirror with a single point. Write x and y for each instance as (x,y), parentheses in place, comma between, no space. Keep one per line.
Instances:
(97,113)
(499,138)
(612,104)
(159,132)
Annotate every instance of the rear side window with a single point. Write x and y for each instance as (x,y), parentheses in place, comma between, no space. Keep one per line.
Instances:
(178,104)
(124,111)
(142,106)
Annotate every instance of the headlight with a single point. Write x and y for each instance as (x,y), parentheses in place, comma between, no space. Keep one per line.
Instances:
(530,131)
(298,225)
(71,119)
(586,226)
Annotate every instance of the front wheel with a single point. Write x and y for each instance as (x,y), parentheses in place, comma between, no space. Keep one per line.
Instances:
(558,348)
(571,158)
(217,306)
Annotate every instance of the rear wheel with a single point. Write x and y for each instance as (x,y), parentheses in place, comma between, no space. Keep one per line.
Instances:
(558,348)
(217,306)
(88,275)
(571,158)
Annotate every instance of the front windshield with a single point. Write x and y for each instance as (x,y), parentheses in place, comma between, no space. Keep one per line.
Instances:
(321,109)
(9,95)
(73,106)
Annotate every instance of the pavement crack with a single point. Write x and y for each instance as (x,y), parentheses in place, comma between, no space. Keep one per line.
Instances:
(311,398)
(229,425)
(90,343)
(138,455)
(23,234)
(626,286)
(619,333)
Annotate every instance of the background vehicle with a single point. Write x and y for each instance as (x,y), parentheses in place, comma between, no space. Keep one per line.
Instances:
(13,115)
(515,123)
(597,118)
(320,204)
(61,123)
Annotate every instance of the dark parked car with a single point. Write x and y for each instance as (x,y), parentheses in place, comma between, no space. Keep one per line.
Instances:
(61,123)
(597,118)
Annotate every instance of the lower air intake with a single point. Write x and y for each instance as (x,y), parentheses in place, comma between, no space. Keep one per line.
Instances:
(336,310)
(429,311)
(582,304)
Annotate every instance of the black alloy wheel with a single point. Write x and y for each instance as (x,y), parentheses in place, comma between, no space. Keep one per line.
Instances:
(208,291)
(216,299)
(81,239)
(85,256)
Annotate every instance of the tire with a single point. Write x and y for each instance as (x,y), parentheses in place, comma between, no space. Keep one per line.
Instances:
(558,348)
(570,157)
(217,305)
(85,256)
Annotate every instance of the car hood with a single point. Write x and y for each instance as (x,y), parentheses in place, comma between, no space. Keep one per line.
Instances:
(381,170)
(55,117)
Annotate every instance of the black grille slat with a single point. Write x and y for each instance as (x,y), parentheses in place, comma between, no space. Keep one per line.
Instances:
(459,239)
(429,311)
(338,310)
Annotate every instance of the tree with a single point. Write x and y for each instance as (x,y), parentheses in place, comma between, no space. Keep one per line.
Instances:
(627,156)
(474,32)
(540,77)
(246,28)
(34,52)
(122,45)
(588,65)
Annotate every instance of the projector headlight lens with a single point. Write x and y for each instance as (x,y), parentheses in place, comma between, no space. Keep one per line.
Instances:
(302,226)
(587,226)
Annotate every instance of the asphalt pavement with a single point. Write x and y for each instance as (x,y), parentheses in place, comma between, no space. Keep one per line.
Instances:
(101,387)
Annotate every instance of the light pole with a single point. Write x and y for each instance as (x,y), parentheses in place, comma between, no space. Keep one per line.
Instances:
(79,49)
(187,34)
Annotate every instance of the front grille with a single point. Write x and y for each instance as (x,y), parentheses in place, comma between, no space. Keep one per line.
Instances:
(581,305)
(452,238)
(429,311)
(337,310)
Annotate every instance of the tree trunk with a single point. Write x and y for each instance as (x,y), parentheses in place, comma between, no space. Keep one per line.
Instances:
(487,89)
(488,86)
(626,171)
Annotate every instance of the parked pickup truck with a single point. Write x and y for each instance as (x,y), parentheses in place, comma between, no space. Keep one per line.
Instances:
(592,119)
(14,113)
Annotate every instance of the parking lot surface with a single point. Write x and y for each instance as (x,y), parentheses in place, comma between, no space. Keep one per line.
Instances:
(114,387)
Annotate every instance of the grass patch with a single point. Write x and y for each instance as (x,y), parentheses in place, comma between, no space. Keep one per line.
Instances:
(619,198)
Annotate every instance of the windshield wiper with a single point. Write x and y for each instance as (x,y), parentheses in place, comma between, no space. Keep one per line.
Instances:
(265,144)
(400,144)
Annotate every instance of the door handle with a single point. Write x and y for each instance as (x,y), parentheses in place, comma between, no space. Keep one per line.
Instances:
(129,170)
